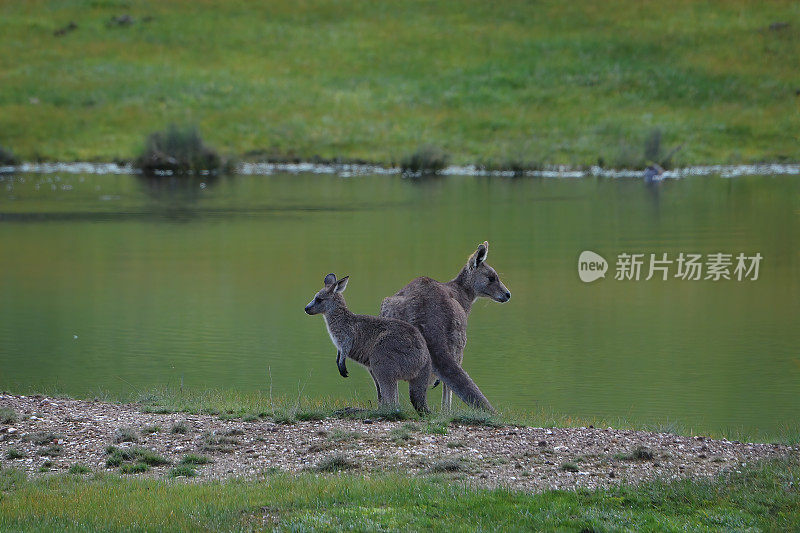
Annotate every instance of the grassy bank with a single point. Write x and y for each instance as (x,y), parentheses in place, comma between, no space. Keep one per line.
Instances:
(509,84)
(763,497)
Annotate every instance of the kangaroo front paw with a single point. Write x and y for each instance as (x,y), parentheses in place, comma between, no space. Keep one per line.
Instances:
(340,362)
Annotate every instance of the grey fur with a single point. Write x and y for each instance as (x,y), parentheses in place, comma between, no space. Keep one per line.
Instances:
(392,350)
(440,311)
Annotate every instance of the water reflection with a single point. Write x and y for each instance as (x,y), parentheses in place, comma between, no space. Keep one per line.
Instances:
(214,300)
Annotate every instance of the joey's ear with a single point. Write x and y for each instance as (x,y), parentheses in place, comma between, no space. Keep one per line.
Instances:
(341,285)
(330,279)
(480,255)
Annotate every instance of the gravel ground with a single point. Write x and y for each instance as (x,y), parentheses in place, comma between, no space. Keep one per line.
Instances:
(53,434)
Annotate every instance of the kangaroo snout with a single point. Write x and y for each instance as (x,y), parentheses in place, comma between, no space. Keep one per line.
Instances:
(506,297)
(310,307)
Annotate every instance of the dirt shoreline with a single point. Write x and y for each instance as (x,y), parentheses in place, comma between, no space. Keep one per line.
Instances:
(53,434)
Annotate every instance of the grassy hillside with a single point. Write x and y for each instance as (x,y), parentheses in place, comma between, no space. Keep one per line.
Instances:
(531,82)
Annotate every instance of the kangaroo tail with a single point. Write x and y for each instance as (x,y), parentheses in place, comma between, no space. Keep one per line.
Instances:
(459,381)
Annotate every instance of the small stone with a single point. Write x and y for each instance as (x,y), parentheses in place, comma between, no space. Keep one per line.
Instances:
(367,421)
(612,474)
(542,443)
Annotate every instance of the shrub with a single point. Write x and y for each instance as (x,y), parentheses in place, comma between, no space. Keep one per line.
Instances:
(639,453)
(476,418)
(54,450)
(219,443)
(192,459)
(569,467)
(179,427)
(447,465)
(178,151)
(642,453)
(334,463)
(651,152)
(133,468)
(41,438)
(118,456)
(7,157)
(79,469)
(339,435)
(126,435)
(14,453)
(310,415)
(182,471)
(426,161)
(7,416)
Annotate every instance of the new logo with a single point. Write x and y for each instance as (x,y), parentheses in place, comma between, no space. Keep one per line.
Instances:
(591,266)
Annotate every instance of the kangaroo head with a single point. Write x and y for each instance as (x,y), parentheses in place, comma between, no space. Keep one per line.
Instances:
(329,296)
(482,278)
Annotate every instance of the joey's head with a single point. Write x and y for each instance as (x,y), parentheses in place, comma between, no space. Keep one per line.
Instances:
(482,278)
(329,296)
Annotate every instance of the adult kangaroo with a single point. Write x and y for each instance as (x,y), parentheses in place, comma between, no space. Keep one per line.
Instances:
(440,311)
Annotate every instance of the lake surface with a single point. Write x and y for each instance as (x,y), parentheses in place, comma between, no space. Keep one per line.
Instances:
(110,284)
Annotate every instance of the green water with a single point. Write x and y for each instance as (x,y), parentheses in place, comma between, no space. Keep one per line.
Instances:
(108,284)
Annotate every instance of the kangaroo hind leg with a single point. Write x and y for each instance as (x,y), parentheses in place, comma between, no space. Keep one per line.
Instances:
(447,398)
(388,388)
(377,385)
(418,391)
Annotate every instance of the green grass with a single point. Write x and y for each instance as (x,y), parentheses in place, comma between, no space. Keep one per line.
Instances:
(763,497)
(192,459)
(516,83)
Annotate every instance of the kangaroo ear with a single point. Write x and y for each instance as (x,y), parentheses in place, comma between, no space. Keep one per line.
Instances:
(341,285)
(480,255)
(330,279)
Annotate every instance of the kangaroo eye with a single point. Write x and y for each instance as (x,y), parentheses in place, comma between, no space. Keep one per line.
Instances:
(316,299)
(492,278)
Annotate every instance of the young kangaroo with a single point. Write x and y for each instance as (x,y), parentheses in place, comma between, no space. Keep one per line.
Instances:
(440,311)
(392,350)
